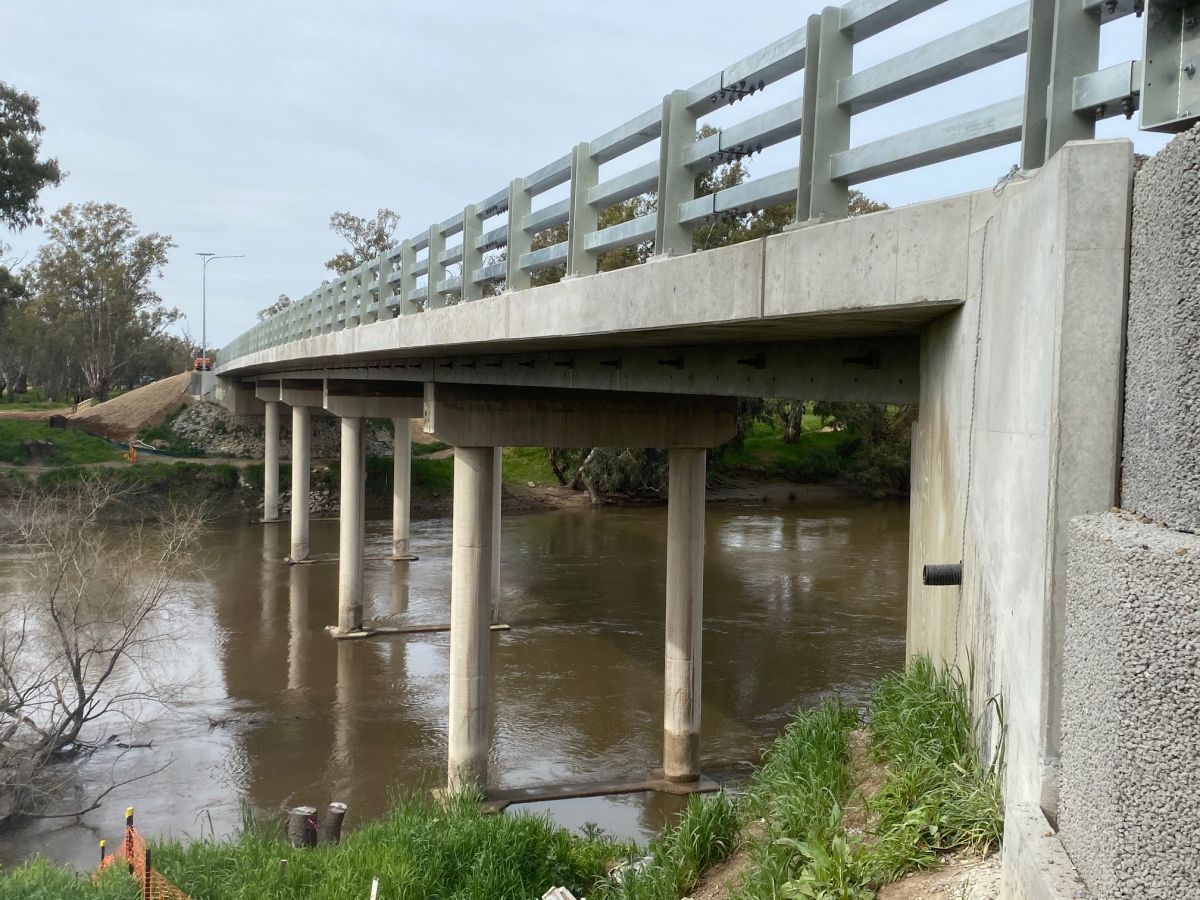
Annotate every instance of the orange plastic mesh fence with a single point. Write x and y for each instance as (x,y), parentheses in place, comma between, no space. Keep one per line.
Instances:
(132,853)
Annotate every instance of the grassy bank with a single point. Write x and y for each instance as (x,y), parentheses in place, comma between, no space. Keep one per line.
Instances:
(71,446)
(934,797)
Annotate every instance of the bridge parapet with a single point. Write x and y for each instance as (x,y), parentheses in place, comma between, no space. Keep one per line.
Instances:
(1064,94)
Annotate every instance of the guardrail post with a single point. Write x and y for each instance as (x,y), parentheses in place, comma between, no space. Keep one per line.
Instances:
(1064,41)
(676,184)
(437,268)
(408,281)
(585,173)
(519,242)
(383,290)
(826,123)
(472,259)
(358,299)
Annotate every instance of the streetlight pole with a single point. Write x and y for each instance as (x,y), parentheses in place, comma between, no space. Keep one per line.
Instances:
(207,257)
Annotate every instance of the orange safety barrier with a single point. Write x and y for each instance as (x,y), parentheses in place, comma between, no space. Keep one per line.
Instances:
(136,855)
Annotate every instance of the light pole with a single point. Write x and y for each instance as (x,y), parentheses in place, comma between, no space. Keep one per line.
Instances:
(207,257)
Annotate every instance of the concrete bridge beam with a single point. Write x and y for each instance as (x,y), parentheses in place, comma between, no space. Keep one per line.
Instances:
(475,470)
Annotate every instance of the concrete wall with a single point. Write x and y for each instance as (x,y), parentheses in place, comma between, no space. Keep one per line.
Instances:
(1131,744)
(1131,739)
(1162,407)
(1018,433)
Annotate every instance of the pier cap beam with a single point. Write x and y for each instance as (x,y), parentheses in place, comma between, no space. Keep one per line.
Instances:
(365,400)
(494,416)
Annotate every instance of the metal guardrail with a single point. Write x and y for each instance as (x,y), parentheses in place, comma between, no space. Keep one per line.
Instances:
(1063,96)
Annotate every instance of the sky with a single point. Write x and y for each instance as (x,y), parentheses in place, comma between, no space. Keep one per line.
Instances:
(240,127)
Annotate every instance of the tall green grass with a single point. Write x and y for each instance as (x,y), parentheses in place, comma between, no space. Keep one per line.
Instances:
(797,795)
(41,880)
(707,833)
(938,796)
(422,849)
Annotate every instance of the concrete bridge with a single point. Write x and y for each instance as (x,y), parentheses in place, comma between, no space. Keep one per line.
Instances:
(999,313)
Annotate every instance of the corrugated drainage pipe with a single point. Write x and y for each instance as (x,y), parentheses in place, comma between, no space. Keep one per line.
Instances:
(942,575)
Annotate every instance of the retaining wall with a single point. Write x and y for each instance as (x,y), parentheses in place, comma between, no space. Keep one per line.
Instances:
(1130,786)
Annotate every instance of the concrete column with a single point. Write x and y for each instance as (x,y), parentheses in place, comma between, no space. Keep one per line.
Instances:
(297,628)
(470,617)
(401,488)
(271,463)
(301,466)
(497,484)
(685,612)
(351,526)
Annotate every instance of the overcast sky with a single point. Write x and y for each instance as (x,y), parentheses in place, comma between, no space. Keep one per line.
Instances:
(239,127)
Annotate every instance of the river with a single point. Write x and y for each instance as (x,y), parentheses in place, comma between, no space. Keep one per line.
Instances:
(804,598)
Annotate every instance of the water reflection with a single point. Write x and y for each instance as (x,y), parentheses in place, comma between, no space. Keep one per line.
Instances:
(801,600)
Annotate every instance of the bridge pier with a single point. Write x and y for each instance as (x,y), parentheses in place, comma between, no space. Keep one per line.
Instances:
(351,525)
(271,462)
(684,618)
(401,488)
(352,404)
(477,421)
(471,598)
(301,480)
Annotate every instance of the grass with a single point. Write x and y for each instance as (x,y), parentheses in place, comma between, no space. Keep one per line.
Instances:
(42,880)
(191,482)
(523,465)
(419,850)
(936,796)
(706,833)
(426,449)
(71,446)
(813,457)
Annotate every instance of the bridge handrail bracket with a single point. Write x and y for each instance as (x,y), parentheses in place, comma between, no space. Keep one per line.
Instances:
(1062,97)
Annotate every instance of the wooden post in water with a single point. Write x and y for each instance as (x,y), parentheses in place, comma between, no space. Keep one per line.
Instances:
(331,828)
(302,826)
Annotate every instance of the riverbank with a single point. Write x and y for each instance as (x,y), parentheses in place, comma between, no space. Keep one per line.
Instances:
(230,485)
(838,808)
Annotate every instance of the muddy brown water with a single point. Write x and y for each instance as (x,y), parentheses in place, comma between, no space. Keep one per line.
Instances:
(803,600)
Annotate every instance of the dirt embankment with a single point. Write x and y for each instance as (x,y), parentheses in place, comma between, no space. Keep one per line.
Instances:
(123,417)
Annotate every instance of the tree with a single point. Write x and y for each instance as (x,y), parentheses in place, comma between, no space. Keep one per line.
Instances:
(282,303)
(86,643)
(22,175)
(367,238)
(93,280)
